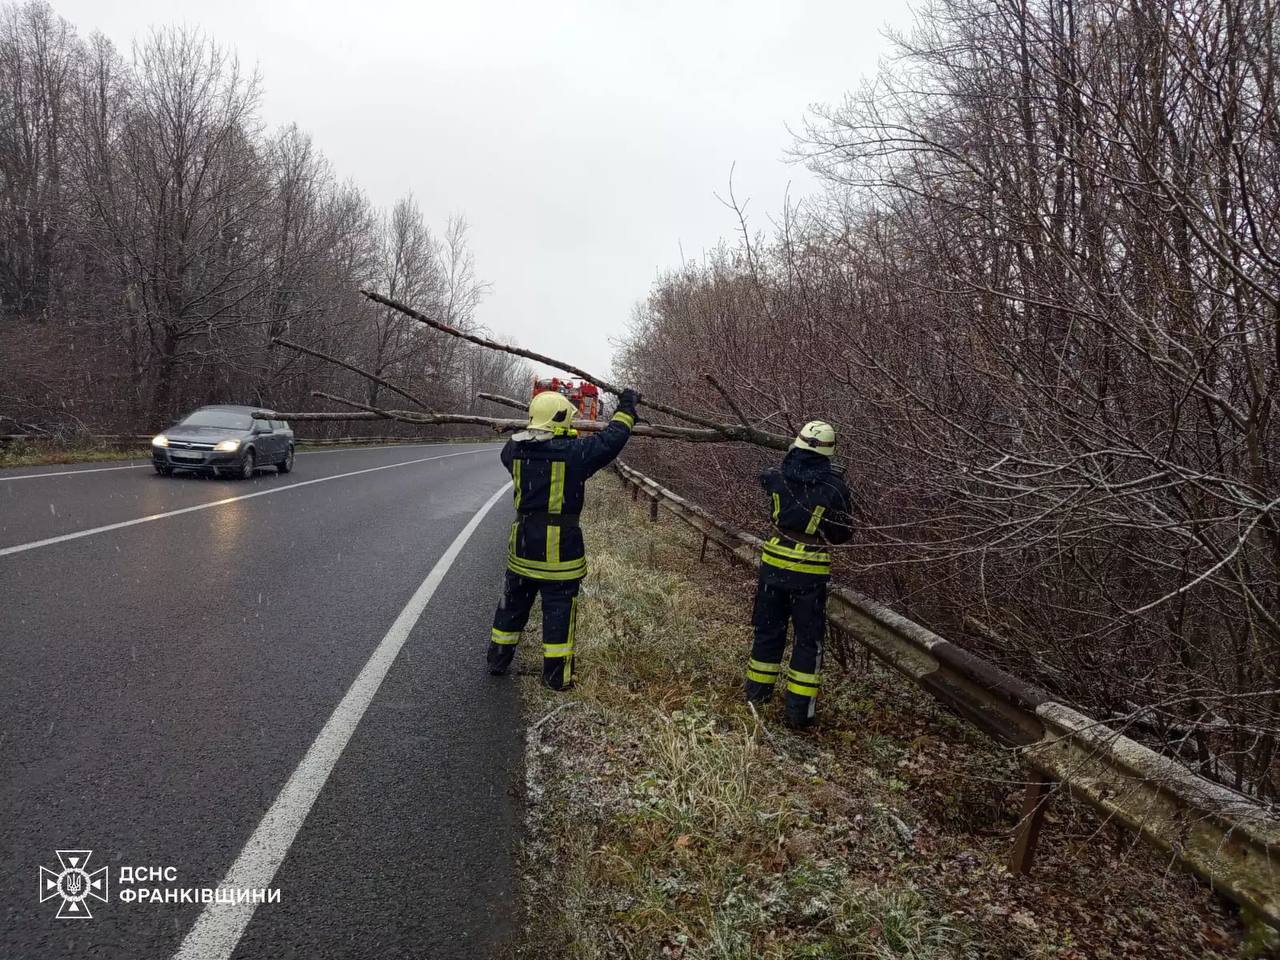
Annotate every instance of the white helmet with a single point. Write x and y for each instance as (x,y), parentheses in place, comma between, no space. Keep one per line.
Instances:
(818,436)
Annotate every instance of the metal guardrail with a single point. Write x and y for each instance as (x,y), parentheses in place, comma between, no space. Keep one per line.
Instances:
(1229,840)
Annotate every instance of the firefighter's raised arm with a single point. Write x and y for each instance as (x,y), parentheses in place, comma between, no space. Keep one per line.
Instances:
(599,450)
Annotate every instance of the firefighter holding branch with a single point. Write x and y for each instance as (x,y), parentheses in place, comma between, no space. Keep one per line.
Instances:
(549,466)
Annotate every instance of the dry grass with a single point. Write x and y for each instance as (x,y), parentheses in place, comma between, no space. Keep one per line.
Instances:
(26,453)
(665,821)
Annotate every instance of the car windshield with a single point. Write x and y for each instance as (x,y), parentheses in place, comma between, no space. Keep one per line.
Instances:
(218,418)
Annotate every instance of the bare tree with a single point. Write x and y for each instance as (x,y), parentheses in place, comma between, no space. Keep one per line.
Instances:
(38,58)
(1041,303)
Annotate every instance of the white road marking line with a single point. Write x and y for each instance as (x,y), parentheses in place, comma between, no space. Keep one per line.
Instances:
(68,473)
(19,548)
(220,925)
(389,446)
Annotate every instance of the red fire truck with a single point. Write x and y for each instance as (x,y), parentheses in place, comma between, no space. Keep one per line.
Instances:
(585,396)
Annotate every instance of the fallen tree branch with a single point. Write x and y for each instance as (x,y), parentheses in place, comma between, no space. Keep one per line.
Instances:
(725,431)
(753,434)
(375,411)
(353,368)
(499,424)
(504,401)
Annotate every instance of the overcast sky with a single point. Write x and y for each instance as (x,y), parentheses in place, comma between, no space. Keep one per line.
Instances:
(584,142)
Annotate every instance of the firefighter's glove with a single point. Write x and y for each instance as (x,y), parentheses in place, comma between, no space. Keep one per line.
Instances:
(628,400)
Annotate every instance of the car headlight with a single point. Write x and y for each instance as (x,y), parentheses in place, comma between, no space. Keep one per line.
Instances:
(160,440)
(227,446)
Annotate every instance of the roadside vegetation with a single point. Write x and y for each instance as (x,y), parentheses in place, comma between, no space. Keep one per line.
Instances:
(27,453)
(1038,301)
(666,820)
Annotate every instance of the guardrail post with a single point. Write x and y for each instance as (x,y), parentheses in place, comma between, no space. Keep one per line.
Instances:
(1035,803)
(653,510)
(702,555)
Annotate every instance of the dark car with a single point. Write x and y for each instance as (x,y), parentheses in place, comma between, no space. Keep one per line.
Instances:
(226,440)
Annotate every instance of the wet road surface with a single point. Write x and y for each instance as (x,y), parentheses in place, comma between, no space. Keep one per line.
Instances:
(281,679)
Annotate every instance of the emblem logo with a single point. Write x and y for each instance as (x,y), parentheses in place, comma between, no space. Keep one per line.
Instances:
(74,884)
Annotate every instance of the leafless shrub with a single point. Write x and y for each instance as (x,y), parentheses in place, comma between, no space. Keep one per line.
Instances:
(1042,301)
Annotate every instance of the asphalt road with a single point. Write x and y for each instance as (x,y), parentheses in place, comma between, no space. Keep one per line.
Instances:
(220,689)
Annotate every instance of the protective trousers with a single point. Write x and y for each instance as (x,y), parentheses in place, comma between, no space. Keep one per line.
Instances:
(798,600)
(559,615)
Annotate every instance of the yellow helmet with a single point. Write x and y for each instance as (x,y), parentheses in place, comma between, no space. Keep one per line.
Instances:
(552,411)
(818,436)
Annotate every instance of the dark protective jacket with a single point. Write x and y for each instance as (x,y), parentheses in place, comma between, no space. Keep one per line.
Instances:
(550,477)
(809,503)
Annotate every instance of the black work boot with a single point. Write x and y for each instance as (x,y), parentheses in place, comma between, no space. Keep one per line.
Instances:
(799,710)
(759,693)
(499,657)
(554,673)
(798,724)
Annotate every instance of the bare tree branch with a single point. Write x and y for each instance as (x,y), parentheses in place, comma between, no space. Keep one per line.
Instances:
(504,401)
(501,424)
(353,368)
(728,432)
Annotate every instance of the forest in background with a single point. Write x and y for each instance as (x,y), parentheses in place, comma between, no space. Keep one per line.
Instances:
(1040,299)
(155,239)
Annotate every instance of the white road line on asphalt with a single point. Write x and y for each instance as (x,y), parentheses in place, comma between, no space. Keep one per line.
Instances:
(19,548)
(68,473)
(220,925)
(389,446)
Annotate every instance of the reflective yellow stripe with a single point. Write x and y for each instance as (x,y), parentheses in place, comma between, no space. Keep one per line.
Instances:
(579,563)
(801,683)
(798,552)
(553,543)
(763,667)
(821,569)
(796,558)
(626,419)
(566,570)
(555,498)
(814,519)
(801,689)
(553,650)
(547,574)
(511,540)
(777,507)
(515,476)
(505,637)
(766,678)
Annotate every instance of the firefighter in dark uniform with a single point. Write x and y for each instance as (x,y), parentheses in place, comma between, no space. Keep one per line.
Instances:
(550,465)
(809,503)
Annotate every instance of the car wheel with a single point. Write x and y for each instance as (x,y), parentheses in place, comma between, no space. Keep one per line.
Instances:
(247,464)
(163,469)
(285,465)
